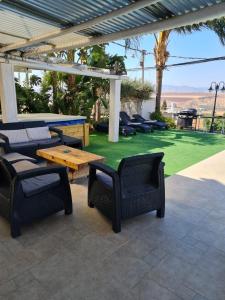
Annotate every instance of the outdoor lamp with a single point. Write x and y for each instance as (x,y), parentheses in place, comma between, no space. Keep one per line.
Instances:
(222,89)
(215,87)
(210,89)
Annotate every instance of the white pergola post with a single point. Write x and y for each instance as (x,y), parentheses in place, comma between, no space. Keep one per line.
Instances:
(114,110)
(8,93)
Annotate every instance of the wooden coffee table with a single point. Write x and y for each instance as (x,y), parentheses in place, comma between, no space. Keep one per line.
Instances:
(75,160)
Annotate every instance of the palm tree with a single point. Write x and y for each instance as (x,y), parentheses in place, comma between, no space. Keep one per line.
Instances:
(161,56)
(161,52)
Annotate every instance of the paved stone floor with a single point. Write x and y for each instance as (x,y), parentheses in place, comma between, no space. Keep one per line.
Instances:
(79,257)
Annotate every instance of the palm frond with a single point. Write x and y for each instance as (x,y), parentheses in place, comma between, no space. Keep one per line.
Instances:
(216,25)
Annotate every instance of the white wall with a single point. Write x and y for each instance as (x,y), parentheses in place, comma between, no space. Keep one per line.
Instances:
(148,106)
(133,107)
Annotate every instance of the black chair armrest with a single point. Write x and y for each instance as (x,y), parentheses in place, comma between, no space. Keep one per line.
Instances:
(104,168)
(41,171)
(4,138)
(2,142)
(5,144)
(58,131)
(161,173)
(116,205)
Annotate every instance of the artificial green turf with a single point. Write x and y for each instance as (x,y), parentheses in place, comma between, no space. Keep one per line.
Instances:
(182,149)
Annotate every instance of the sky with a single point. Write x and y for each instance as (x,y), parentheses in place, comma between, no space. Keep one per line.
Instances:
(203,44)
(198,44)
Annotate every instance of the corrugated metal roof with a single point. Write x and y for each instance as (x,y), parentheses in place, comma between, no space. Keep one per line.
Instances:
(21,26)
(28,18)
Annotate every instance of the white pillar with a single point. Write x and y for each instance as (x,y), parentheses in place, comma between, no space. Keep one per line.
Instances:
(114,110)
(8,93)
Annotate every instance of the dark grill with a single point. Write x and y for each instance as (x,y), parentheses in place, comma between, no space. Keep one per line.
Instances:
(186,117)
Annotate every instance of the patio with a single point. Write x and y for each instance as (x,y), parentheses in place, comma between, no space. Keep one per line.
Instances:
(79,257)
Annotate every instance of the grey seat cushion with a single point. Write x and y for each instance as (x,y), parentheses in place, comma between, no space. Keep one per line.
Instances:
(38,184)
(52,141)
(14,157)
(105,179)
(24,165)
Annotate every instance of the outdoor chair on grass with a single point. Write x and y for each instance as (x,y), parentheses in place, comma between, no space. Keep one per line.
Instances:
(29,192)
(123,129)
(127,121)
(136,188)
(154,123)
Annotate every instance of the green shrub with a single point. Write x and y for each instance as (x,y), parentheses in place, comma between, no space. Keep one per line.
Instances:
(134,89)
(218,124)
(159,117)
(170,122)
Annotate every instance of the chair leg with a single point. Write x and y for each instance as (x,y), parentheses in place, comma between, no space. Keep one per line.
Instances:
(90,204)
(68,211)
(116,226)
(15,229)
(160,212)
(68,205)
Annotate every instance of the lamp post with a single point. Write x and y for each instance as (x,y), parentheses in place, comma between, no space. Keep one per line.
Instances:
(215,87)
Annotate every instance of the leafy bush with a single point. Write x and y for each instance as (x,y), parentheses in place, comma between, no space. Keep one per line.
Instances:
(116,64)
(159,117)
(170,122)
(134,89)
(218,124)
(30,101)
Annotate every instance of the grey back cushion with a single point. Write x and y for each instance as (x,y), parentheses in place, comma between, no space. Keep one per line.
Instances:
(16,136)
(38,133)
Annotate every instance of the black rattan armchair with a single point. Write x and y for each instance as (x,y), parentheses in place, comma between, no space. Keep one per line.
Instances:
(32,194)
(136,188)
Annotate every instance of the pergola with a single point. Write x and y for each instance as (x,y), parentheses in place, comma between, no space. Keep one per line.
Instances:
(29,29)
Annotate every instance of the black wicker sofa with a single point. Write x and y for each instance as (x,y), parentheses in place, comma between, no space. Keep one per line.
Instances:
(27,137)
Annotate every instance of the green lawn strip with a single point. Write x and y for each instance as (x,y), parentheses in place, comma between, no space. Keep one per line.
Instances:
(182,148)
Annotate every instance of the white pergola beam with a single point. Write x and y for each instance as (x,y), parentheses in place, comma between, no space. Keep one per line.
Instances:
(202,15)
(8,93)
(38,65)
(59,32)
(114,110)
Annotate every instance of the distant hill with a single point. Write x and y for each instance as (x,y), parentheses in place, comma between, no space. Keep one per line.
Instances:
(183,89)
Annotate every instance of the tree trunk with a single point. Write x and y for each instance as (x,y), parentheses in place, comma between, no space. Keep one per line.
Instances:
(159,78)
(161,56)
(54,91)
(71,77)
(98,110)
